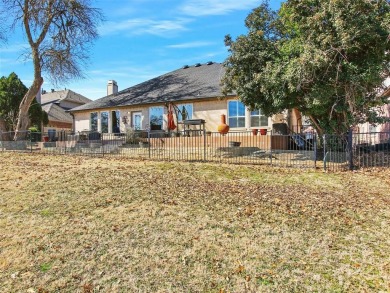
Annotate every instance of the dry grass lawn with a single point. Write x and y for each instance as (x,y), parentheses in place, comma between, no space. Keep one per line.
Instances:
(78,224)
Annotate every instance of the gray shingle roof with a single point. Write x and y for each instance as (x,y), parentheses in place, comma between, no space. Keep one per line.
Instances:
(180,85)
(57,113)
(64,95)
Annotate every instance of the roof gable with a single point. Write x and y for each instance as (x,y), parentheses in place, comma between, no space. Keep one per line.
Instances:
(56,113)
(63,95)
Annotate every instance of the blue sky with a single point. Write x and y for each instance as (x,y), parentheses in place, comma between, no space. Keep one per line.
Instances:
(142,39)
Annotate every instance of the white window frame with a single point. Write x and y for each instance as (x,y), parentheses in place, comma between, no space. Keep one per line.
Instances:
(260,115)
(228,115)
(372,128)
(247,117)
(108,121)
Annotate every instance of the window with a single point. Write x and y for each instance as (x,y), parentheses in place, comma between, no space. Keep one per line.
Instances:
(372,128)
(115,118)
(258,119)
(186,109)
(156,118)
(104,122)
(93,122)
(236,114)
(137,120)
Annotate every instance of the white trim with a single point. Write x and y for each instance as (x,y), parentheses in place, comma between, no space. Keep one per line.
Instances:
(259,127)
(227,116)
(247,119)
(108,121)
(132,125)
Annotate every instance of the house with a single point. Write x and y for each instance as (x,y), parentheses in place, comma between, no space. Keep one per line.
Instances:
(195,89)
(57,105)
(377,133)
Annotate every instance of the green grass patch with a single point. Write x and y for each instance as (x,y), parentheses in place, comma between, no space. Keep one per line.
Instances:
(45,267)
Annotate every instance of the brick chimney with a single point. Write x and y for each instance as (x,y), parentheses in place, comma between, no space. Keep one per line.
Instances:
(112,87)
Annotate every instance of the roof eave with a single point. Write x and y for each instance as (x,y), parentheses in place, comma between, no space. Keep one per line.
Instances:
(151,103)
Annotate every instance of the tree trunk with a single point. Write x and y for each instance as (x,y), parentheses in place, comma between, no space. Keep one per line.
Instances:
(317,127)
(23,118)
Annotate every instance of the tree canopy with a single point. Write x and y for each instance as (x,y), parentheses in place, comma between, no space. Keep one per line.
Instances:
(326,58)
(59,33)
(12,91)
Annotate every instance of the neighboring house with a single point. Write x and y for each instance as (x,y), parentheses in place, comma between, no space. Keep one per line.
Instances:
(196,88)
(57,105)
(380,132)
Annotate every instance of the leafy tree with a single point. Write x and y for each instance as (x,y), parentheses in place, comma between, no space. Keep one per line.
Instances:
(327,58)
(12,91)
(37,115)
(59,33)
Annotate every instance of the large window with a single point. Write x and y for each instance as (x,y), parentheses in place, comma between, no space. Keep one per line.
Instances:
(372,128)
(93,121)
(115,120)
(185,112)
(156,118)
(236,114)
(104,122)
(258,119)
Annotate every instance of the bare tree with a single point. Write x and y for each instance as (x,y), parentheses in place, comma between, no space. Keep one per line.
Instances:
(3,21)
(59,33)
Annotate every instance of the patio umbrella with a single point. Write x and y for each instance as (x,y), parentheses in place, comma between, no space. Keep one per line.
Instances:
(171,121)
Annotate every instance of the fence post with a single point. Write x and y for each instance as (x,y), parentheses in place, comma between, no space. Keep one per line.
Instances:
(315,149)
(324,139)
(102,140)
(65,140)
(350,148)
(204,143)
(30,141)
(149,143)
(77,138)
(270,146)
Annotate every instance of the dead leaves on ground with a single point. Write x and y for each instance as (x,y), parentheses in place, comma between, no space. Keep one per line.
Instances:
(190,222)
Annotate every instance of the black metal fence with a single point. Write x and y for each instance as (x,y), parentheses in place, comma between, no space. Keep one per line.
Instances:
(304,150)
